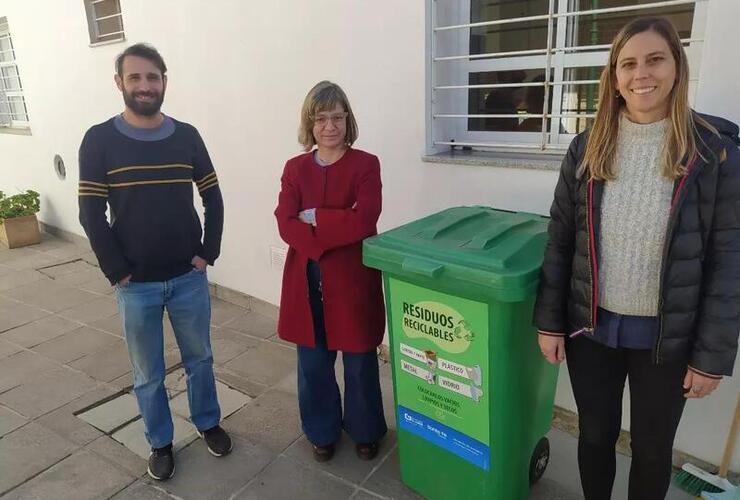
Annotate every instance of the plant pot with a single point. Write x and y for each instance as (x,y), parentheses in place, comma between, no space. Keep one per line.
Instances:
(20,231)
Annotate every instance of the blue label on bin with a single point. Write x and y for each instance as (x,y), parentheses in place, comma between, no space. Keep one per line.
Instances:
(445,437)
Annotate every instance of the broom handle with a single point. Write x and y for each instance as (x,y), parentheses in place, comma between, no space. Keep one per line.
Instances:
(731,439)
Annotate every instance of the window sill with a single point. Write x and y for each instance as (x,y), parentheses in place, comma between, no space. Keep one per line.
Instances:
(15,130)
(531,161)
(108,42)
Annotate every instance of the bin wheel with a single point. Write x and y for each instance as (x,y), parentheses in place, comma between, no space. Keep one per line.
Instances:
(539,460)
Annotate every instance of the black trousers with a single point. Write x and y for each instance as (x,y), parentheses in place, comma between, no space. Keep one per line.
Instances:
(598,374)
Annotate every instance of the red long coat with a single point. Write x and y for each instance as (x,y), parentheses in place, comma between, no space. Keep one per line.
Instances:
(347,199)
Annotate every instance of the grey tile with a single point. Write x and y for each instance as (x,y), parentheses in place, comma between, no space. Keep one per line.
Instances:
(14,314)
(77,278)
(289,383)
(266,364)
(176,382)
(113,413)
(549,489)
(228,399)
(132,436)
(64,422)
(89,312)
(386,390)
(7,254)
(366,495)
(98,284)
(8,349)
(76,344)
(222,312)
(271,420)
(227,344)
(141,491)
(27,451)
(115,452)
(12,278)
(50,296)
(386,480)
(238,382)
(70,479)
(20,366)
(66,252)
(112,324)
(123,383)
(32,260)
(253,324)
(105,365)
(46,392)
(202,476)
(36,332)
(10,420)
(345,463)
(65,268)
(287,479)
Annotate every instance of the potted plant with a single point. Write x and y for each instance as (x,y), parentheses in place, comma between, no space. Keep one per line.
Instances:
(18,224)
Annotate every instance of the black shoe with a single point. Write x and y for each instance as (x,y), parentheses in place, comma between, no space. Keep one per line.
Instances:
(161,463)
(323,453)
(218,442)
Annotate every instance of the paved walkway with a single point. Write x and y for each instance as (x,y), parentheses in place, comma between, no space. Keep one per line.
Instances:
(61,353)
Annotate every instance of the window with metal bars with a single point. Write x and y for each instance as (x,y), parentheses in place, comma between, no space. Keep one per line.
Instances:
(13,111)
(522,75)
(104,20)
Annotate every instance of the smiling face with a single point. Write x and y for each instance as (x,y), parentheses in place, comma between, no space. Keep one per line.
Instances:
(142,85)
(646,74)
(330,128)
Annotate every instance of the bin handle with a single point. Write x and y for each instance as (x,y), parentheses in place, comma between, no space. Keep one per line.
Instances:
(420,266)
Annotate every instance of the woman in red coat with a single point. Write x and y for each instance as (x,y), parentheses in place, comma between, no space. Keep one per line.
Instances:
(330,200)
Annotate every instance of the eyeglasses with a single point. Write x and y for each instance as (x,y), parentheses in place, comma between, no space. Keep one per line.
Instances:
(336,119)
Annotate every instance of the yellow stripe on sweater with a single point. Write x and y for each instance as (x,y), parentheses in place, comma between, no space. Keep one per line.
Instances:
(150,167)
(93,184)
(139,183)
(208,185)
(206,179)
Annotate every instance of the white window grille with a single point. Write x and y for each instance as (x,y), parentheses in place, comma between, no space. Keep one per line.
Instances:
(104,20)
(522,75)
(13,111)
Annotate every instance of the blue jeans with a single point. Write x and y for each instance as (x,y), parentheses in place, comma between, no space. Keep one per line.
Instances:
(319,399)
(188,304)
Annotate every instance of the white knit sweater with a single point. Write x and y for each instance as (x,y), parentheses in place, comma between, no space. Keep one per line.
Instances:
(634,216)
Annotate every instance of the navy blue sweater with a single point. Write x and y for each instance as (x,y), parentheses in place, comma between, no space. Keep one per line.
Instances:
(154,230)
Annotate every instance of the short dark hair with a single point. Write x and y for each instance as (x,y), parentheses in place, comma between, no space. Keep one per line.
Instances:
(145,51)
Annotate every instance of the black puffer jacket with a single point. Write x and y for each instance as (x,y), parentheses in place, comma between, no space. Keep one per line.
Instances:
(699,305)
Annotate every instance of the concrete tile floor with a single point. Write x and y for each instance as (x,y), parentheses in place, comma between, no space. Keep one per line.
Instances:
(58,334)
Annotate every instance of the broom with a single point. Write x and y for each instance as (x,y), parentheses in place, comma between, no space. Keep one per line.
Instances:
(694,480)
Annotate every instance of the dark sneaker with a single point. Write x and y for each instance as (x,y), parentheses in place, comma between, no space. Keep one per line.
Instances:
(367,451)
(323,453)
(218,442)
(161,463)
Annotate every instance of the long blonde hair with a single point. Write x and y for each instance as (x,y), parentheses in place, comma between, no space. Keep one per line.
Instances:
(680,141)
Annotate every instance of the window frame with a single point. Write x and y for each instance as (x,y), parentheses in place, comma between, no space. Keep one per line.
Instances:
(96,37)
(450,87)
(16,93)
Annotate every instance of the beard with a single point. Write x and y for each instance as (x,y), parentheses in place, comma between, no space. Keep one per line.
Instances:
(143,108)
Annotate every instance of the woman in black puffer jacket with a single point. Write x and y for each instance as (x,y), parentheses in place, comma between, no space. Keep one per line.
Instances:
(641,277)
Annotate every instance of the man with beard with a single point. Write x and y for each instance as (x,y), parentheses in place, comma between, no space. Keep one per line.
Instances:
(142,164)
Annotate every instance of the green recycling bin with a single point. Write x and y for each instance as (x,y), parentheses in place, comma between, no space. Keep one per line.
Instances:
(473,395)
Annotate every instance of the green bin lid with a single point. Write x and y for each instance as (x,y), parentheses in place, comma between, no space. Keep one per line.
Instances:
(481,250)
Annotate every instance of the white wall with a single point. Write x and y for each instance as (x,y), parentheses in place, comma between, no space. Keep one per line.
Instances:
(239,71)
